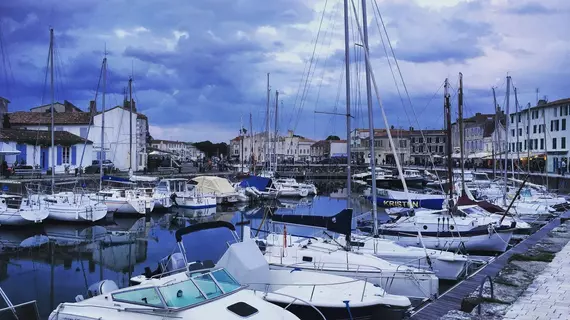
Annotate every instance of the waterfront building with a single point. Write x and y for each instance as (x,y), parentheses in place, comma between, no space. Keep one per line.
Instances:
(542,131)
(87,125)
(289,148)
(328,149)
(185,151)
(427,145)
(360,145)
(33,148)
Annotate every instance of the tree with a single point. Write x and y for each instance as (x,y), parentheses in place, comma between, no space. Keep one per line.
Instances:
(332,138)
(211,149)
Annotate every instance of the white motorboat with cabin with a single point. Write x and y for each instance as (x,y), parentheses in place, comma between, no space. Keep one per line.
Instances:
(221,188)
(14,211)
(212,293)
(183,194)
(161,200)
(292,183)
(309,295)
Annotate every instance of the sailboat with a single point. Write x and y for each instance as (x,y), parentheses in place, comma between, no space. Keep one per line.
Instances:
(66,206)
(16,211)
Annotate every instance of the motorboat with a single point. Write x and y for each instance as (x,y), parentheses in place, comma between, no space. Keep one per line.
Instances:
(184,194)
(292,183)
(284,251)
(211,293)
(259,187)
(218,187)
(14,210)
(70,206)
(308,294)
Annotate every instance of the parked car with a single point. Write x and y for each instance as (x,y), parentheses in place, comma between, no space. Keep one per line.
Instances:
(107,164)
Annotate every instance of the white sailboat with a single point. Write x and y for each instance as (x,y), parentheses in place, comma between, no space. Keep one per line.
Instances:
(67,206)
(125,201)
(16,211)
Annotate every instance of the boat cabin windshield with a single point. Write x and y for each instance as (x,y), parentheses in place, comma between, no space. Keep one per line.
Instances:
(195,290)
(526,193)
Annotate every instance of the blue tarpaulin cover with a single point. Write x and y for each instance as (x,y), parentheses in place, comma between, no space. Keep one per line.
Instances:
(260,183)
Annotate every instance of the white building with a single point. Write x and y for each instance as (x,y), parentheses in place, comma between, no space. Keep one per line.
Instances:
(360,145)
(185,150)
(33,147)
(88,125)
(477,132)
(543,130)
(288,148)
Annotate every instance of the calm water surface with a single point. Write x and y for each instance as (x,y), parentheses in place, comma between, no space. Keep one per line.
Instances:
(53,263)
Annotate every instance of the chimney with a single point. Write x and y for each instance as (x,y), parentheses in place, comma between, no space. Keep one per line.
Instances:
(92,107)
(411,128)
(290,133)
(3,111)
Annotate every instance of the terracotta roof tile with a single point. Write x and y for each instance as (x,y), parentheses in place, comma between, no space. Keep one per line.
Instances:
(41,118)
(41,137)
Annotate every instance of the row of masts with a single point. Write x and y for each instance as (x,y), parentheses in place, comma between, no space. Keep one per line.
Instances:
(104,89)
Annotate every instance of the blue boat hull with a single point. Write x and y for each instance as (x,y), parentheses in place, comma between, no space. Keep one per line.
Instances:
(434,204)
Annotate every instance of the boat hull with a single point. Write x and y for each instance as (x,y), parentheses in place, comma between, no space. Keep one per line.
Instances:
(421,285)
(125,206)
(379,311)
(197,203)
(443,269)
(383,202)
(79,213)
(12,217)
(478,240)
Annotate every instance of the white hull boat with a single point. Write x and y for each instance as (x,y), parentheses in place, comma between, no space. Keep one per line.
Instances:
(309,295)
(310,255)
(446,265)
(15,211)
(209,294)
(67,206)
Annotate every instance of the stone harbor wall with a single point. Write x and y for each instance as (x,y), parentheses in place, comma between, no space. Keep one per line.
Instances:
(534,285)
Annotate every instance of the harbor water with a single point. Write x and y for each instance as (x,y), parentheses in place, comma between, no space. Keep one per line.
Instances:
(54,262)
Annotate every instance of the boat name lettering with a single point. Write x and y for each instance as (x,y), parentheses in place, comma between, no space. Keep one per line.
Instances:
(400,203)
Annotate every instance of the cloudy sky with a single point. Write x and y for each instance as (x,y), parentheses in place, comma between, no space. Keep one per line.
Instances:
(200,66)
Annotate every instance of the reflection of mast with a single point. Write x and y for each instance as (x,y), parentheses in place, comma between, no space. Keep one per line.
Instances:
(51,288)
(101,263)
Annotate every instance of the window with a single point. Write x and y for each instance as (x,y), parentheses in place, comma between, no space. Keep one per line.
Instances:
(557,125)
(512,118)
(66,155)
(524,145)
(555,113)
(436,139)
(553,143)
(563,124)
(539,128)
(541,144)
(441,149)
(83,133)
(551,125)
(563,142)
(534,128)
(513,132)
(526,130)
(530,144)
(520,131)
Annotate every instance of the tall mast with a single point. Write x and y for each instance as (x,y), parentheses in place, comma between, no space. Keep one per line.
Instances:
(130,123)
(370,120)
(275,138)
(241,137)
(102,157)
(545,141)
(507,139)
(496,137)
(518,116)
(461,133)
(447,111)
(267,142)
(252,144)
(528,138)
(52,106)
(347,80)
